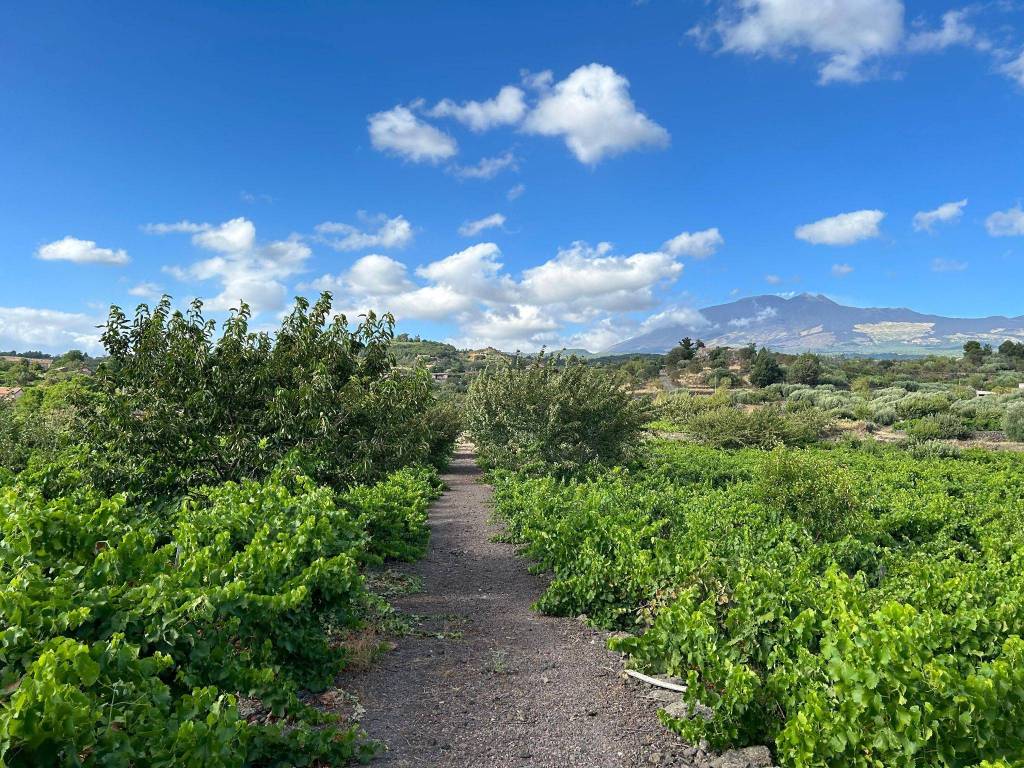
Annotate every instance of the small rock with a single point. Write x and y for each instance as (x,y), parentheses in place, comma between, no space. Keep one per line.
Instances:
(677,709)
(748,757)
(654,758)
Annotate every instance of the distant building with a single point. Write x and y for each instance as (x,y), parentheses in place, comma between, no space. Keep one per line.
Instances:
(11,393)
(983,392)
(439,376)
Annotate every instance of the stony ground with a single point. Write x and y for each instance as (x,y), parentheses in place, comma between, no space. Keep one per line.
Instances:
(486,681)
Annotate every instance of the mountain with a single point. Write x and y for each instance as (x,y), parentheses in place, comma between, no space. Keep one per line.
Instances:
(811,322)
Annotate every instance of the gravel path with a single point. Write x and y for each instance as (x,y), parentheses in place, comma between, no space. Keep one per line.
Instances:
(492,682)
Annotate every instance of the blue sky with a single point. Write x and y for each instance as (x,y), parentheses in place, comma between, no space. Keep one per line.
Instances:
(635,161)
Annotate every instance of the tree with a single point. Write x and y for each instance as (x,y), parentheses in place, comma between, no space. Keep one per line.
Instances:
(682,352)
(974,353)
(1011,349)
(806,369)
(765,370)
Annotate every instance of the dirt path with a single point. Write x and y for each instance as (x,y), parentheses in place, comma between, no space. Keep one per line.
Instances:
(491,682)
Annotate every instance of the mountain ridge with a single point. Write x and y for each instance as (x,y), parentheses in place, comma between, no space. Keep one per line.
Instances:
(815,323)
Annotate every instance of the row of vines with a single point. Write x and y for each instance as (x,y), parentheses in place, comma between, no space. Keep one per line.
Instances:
(849,607)
(182,557)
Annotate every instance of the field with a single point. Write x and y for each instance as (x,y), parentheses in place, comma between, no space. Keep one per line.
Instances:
(848,607)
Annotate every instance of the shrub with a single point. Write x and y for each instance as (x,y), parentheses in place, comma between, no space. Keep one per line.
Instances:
(765,369)
(810,489)
(174,408)
(541,415)
(764,427)
(919,404)
(1013,422)
(679,407)
(942,426)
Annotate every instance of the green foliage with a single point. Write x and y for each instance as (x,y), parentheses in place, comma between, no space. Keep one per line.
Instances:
(763,427)
(680,406)
(940,426)
(127,637)
(541,416)
(851,607)
(765,369)
(175,408)
(806,369)
(1013,422)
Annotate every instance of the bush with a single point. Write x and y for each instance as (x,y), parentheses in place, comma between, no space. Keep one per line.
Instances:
(942,426)
(1013,422)
(764,427)
(543,416)
(679,407)
(173,408)
(810,489)
(919,404)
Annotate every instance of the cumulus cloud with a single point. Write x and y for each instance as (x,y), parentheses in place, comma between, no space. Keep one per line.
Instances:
(595,277)
(245,271)
(80,252)
(699,245)
(49,330)
(593,112)
(686,316)
(487,167)
(844,229)
(473,228)
(398,131)
(474,271)
(841,270)
(743,322)
(955,30)
(145,290)
(507,108)
(848,34)
(521,326)
(233,236)
(945,213)
(1006,223)
(383,232)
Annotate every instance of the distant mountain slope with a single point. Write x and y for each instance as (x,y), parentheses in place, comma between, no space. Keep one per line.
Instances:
(810,322)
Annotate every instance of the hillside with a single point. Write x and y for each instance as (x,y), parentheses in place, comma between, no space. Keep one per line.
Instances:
(811,322)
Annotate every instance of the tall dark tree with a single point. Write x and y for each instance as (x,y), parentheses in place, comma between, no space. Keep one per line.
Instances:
(765,369)
(806,369)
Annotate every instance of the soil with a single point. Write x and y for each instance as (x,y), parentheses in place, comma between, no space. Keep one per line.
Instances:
(488,681)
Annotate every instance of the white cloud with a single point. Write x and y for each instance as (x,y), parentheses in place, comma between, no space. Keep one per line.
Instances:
(772,279)
(521,326)
(49,330)
(1014,69)
(765,314)
(398,131)
(246,272)
(954,31)
(686,316)
(145,290)
(487,168)
(850,34)
(80,252)
(515,192)
(389,233)
(699,245)
(594,113)
(948,265)
(946,213)
(474,228)
(844,229)
(474,271)
(377,275)
(595,278)
(507,108)
(1006,223)
(841,270)
(233,236)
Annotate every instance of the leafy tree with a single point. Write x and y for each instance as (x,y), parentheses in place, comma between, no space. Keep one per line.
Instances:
(974,352)
(1012,349)
(682,352)
(541,416)
(1013,422)
(176,407)
(765,369)
(806,369)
